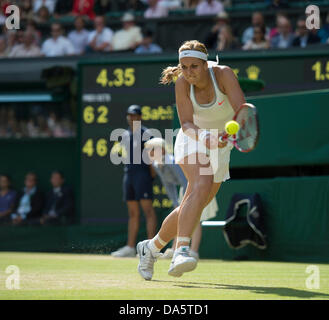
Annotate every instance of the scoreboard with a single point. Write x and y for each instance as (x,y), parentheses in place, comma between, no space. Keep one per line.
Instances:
(106,91)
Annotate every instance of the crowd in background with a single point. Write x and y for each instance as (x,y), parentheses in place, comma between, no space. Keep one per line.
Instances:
(37,123)
(33,206)
(30,42)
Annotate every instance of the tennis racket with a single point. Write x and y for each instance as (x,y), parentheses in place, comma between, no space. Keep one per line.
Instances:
(245,140)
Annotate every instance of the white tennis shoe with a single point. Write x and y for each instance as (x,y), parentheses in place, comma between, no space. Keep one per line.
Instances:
(182,262)
(147,258)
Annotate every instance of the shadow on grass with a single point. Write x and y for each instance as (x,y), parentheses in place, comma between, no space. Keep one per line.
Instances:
(280,291)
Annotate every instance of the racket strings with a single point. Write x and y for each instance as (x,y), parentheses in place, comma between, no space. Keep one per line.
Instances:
(247,135)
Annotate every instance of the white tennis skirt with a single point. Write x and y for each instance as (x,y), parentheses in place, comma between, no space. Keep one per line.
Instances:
(219,157)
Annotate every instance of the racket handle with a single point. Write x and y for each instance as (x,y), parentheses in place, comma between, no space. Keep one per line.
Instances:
(223,138)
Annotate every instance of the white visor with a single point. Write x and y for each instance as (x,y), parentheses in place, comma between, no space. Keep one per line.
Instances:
(193,54)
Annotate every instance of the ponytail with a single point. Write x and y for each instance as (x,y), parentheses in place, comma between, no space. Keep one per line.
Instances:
(170,74)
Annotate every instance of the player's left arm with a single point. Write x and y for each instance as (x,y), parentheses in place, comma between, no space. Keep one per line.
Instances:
(231,87)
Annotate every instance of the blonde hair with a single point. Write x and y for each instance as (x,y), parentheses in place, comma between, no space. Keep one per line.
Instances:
(170,73)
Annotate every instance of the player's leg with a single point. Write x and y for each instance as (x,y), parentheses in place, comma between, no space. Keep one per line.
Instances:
(203,190)
(201,186)
(195,241)
(197,234)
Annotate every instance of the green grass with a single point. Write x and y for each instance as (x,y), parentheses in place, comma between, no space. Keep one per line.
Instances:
(79,276)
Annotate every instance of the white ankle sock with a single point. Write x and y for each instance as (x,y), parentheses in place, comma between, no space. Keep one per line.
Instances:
(152,245)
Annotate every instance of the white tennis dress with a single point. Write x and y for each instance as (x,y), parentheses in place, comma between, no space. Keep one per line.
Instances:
(208,116)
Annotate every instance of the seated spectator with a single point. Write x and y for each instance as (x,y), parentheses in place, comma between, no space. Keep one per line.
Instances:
(4,51)
(257,20)
(274,31)
(27,48)
(31,27)
(79,36)
(42,15)
(26,10)
(57,45)
(59,201)
(29,202)
(209,7)
(101,38)
(303,36)
(285,37)
(155,10)
(226,40)
(49,4)
(323,33)
(7,198)
(258,41)
(190,4)
(129,37)
(222,19)
(63,8)
(84,8)
(147,45)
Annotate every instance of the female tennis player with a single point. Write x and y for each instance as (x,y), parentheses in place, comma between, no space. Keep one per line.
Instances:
(207,95)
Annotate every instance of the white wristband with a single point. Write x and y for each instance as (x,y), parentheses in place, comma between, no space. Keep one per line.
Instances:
(203,135)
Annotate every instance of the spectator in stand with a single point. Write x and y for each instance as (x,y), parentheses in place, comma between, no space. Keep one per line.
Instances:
(226,40)
(79,36)
(100,40)
(29,202)
(84,8)
(323,33)
(190,4)
(221,20)
(257,20)
(155,10)
(63,8)
(274,31)
(57,45)
(50,4)
(27,49)
(31,27)
(42,15)
(209,7)
(129,37)
(59,206)
(4,51)
(285,37)
(7,198)
(2,15)
(258,41)
(26,10)
(147,45)
(303,36)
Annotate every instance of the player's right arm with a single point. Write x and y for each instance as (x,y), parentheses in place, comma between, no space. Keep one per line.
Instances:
(185,108)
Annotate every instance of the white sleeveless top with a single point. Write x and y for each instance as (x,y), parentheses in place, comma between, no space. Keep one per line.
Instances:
(215,114)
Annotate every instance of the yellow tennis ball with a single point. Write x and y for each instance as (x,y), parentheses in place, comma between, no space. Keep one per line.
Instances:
(232,127)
